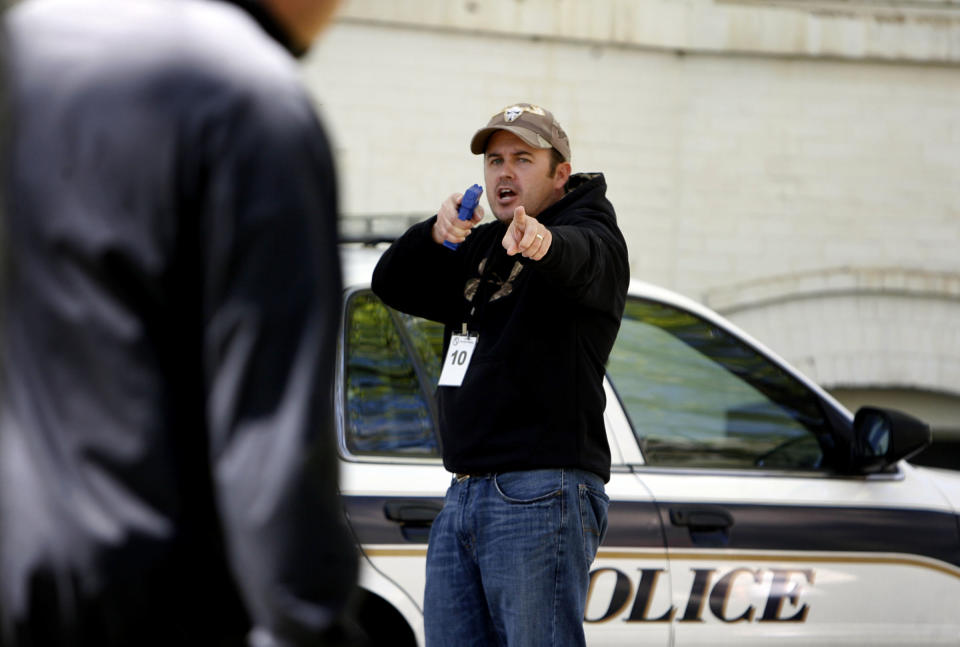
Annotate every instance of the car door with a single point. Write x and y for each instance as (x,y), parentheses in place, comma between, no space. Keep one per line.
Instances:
(392,481)
(766,540)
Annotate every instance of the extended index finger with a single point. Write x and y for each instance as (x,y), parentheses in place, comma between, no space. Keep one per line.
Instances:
(520,218)
(529,227)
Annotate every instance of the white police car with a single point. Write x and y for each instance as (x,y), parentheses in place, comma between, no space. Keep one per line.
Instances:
(748,507)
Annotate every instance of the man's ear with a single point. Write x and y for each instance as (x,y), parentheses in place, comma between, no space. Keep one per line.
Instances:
(562,174)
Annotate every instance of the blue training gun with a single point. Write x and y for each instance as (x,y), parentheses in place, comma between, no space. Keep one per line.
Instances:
(467,204)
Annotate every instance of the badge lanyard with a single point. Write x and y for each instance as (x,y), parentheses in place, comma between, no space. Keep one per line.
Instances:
(462,344)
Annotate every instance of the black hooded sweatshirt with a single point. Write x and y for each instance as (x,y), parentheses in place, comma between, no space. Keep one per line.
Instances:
(533,395)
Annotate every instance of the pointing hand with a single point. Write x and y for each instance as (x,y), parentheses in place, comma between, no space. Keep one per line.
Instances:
(526,236)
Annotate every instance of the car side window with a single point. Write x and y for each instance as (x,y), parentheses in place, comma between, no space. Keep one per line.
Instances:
(699,397)
(392,362)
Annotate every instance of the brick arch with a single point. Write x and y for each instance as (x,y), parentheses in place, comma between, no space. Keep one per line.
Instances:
(856,327)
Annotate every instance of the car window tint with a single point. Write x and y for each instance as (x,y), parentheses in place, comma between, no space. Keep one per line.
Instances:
(697,396)
(389,397)
(426,340)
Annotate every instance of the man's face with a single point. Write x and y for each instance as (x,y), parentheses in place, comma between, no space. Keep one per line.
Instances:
(517,174)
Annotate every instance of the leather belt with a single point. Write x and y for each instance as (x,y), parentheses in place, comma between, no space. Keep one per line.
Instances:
(463,477)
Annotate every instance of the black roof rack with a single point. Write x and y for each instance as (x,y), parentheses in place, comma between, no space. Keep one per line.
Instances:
(374,229)
(368,240)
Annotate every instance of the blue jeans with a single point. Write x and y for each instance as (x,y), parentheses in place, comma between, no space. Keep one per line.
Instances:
(509,559)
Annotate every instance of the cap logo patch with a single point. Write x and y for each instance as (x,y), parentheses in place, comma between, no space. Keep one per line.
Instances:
(512,113)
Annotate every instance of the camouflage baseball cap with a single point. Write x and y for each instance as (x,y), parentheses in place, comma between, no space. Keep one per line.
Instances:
(533,124)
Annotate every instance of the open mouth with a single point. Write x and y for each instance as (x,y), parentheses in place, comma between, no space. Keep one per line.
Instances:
(505,194)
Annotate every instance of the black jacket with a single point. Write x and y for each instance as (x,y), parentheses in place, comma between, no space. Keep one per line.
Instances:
(167,463)
(533,394)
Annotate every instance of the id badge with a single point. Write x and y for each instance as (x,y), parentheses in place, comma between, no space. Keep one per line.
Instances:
(457,361)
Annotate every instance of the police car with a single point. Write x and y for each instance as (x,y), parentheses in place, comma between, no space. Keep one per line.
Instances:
(748,507)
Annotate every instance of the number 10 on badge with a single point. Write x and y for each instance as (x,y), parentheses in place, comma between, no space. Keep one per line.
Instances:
(457,359)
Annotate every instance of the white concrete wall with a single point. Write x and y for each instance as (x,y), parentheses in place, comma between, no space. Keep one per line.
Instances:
(743,142)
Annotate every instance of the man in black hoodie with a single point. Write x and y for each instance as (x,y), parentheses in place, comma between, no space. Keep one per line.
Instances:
(531,305)
(167,462)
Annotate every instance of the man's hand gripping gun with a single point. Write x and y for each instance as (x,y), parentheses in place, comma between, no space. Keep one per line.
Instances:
(468,203)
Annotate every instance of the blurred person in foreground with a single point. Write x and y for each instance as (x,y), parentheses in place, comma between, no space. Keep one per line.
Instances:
(538,295)
(167,463)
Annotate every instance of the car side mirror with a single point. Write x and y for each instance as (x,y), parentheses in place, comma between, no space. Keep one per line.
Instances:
(881,437)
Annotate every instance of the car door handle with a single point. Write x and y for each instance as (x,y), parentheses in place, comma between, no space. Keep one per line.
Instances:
(416,513)
(701,518)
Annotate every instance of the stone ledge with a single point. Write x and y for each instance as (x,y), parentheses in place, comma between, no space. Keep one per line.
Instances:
(919,31)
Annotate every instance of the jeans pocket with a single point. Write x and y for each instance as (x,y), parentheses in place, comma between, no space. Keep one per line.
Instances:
(593,519)
(529,486)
